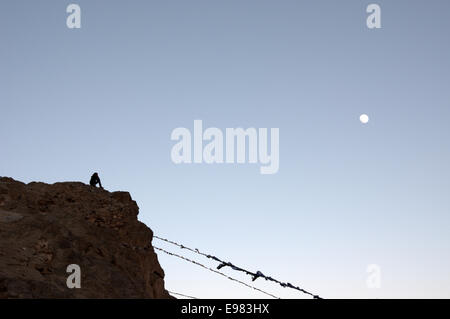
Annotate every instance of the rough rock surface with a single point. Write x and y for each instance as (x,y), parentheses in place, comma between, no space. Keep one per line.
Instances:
(44,228)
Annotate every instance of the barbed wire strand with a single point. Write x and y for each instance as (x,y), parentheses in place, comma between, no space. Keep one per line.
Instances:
(178,294)
(215,271)
(224,264)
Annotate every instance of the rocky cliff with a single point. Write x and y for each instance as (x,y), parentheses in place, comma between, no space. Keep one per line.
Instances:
(44,228)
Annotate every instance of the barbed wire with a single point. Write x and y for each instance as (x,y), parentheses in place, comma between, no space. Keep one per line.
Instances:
(215,271)
(254,276)
(177,293)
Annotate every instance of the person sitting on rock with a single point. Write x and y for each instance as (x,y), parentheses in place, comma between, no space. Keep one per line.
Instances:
(95,180)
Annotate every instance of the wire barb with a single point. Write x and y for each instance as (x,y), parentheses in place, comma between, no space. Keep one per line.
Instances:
(254,276)
(213,270)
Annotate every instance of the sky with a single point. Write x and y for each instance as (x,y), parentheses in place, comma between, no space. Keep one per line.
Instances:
(107,96)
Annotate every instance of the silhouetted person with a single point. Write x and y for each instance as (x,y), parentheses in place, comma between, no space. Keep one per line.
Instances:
(95,180)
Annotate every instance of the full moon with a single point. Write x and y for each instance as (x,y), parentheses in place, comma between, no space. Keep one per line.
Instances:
(364,118)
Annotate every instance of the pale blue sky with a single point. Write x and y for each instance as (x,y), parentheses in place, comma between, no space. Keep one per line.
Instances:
(106,98)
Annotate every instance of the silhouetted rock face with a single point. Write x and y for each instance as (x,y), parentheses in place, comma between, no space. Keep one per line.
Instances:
(44,228)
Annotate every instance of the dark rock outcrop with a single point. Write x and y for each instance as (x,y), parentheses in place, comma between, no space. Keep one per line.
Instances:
(44,228)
